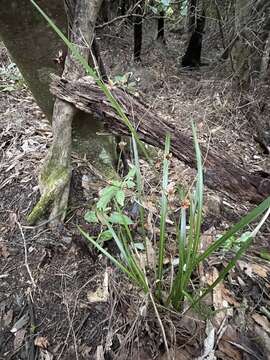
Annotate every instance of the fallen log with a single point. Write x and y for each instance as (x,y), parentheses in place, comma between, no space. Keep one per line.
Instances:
(220,173)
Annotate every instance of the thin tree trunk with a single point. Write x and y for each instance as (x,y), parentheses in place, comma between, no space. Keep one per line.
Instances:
(161,27)
(56,173)
(192,57)
(138,22)
(192,15)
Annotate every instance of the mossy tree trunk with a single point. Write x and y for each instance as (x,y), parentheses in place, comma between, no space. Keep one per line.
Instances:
(35,48)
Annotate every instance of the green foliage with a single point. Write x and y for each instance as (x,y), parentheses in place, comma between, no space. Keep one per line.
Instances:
(116,225)
(162,5)
(188,237)
(125,82)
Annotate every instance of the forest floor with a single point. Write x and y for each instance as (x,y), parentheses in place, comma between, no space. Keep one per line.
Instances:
(59,299)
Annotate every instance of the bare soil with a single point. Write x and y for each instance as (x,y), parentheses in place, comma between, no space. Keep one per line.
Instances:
(60,299)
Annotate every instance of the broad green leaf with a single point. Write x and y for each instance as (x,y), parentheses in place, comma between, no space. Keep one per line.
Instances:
(105,236)
(91,217)
(120,197)
(244,237)
(120,219)
(117,183)
(132,172)
(130,184)
(106,196)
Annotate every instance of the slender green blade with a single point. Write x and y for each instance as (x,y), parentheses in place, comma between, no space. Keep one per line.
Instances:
(163,212)
(251,216)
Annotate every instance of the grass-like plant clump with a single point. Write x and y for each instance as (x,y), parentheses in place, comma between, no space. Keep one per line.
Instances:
(109,212)
(175,290)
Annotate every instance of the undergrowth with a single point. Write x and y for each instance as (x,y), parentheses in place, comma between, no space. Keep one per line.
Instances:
(178,288)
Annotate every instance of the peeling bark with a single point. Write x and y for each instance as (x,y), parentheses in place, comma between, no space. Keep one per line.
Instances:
(220,173)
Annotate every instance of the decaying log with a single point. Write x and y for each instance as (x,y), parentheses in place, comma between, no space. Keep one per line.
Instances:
(220,173)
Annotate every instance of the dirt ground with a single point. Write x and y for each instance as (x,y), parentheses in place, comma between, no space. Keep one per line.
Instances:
(60,299)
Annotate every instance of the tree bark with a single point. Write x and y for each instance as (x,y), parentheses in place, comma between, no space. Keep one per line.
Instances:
(192,57)
(55,176)
(138,23)
(220,173)
(36,50)
(33,45)
(161,27)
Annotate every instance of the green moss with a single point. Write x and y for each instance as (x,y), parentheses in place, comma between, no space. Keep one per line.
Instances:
(53,182)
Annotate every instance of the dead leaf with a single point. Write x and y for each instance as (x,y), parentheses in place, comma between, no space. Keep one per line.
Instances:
(262,321)
(219,302)
(100,353)
(177,355)
(229,350)
(264,340)
(8,318)
(208,237)
(19,337)
(12,220)
(151,254)
(41,342)
(20,323)
(4,251)
(209,343)
(45,355)
(229,297)
(260,270)
(102,292)
(251,269)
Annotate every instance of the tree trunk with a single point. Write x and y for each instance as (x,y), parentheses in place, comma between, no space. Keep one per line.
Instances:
(220,173)
(192,6)
(138,23)
(161,27)
(35,47)
(192,57)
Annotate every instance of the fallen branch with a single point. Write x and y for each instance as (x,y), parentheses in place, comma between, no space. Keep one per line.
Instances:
(220,173)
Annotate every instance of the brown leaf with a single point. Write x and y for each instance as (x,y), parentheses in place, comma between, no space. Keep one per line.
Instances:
(8,317)
(19,337)
(45,355)
(264,340)
(229,350)
(217,295)
(4,251)
(262,321)
(102,292)
(228,296)
(208,237)
(12,220)
(41,342)
(251,269)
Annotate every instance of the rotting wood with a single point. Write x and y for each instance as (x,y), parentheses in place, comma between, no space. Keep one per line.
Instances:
(220,173)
